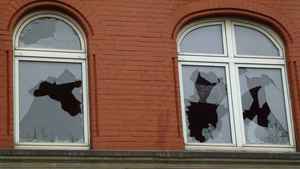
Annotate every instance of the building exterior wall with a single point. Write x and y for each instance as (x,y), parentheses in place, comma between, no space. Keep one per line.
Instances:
(146,160)
(133,77)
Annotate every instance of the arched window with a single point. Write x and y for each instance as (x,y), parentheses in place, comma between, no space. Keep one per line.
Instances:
(50,77)
(233,84)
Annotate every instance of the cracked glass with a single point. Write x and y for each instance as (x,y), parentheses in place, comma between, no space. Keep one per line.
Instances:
(206,104)
(51,108)
(263,103)
(49,33)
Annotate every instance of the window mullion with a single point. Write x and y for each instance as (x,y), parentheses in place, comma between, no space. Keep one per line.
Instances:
(237,105)
(229,39)
(237,119)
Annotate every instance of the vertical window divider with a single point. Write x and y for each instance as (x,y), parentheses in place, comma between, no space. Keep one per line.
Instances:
(238,106)
(17,98)
(230,104)
(232,73)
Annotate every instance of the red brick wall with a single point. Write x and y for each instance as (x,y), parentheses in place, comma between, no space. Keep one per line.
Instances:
(133,81)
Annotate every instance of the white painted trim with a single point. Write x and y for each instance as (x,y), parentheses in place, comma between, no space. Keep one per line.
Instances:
(230,105)
(85,101)
(183,117)
(202,54)
(188,58)
(238,107)
(232,85)
(16,100)
(59,60)
(49,54)
(288,105)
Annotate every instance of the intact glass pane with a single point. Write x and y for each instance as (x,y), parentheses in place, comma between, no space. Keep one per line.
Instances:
(51,108)
(263,103)
(206,39)
(49,33)
(206,104)
(252,42)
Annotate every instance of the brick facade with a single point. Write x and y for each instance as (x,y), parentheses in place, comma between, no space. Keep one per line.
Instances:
(133,79)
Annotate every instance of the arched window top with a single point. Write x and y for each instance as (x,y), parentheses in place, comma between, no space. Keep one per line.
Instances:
(252,40)
(211,37)
(205,38)
(49,31)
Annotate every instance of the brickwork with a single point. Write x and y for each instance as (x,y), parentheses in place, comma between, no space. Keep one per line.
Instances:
(133,81)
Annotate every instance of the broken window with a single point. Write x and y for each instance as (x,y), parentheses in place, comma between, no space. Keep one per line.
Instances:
(233,86)
(263,103)
(206,100)
(51,104)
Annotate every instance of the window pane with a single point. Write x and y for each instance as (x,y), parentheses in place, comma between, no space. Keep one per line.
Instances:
(206,39)
(49,33)
(50,108)
(206,104)
(252,42)
(263,105)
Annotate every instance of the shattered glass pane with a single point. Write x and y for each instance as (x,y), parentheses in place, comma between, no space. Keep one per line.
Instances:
(252,42)
(263,105)
(51,109)
(206,104)
(207,39)
(49,33)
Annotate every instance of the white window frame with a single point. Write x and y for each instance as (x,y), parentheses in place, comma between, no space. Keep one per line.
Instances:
(53,56)
(233,62)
